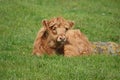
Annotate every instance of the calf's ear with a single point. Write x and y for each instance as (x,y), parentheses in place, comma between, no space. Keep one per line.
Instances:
(71,23)
(45,23)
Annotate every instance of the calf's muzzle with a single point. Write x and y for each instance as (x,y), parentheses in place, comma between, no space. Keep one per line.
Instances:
(61,38)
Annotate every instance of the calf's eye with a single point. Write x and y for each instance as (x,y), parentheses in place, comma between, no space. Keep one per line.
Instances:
(53,28)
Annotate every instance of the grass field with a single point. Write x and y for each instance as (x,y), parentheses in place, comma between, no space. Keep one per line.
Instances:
(20,21)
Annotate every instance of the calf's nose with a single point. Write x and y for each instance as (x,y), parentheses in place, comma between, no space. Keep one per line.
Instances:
(61,38)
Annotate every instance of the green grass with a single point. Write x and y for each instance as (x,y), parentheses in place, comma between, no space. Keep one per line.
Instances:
(26,67)
(20,21)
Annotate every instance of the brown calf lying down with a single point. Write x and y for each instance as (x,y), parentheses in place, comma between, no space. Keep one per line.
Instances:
(77,44)
(56,36)
(51,37)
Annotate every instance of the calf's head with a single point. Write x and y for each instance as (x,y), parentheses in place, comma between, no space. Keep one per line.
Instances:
(56,29)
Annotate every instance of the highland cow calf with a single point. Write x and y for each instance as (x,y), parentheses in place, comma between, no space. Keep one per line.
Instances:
(51,37)
(77,44)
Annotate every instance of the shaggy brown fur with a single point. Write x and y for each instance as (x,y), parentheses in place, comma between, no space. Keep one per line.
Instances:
(51,37)
(77,44)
